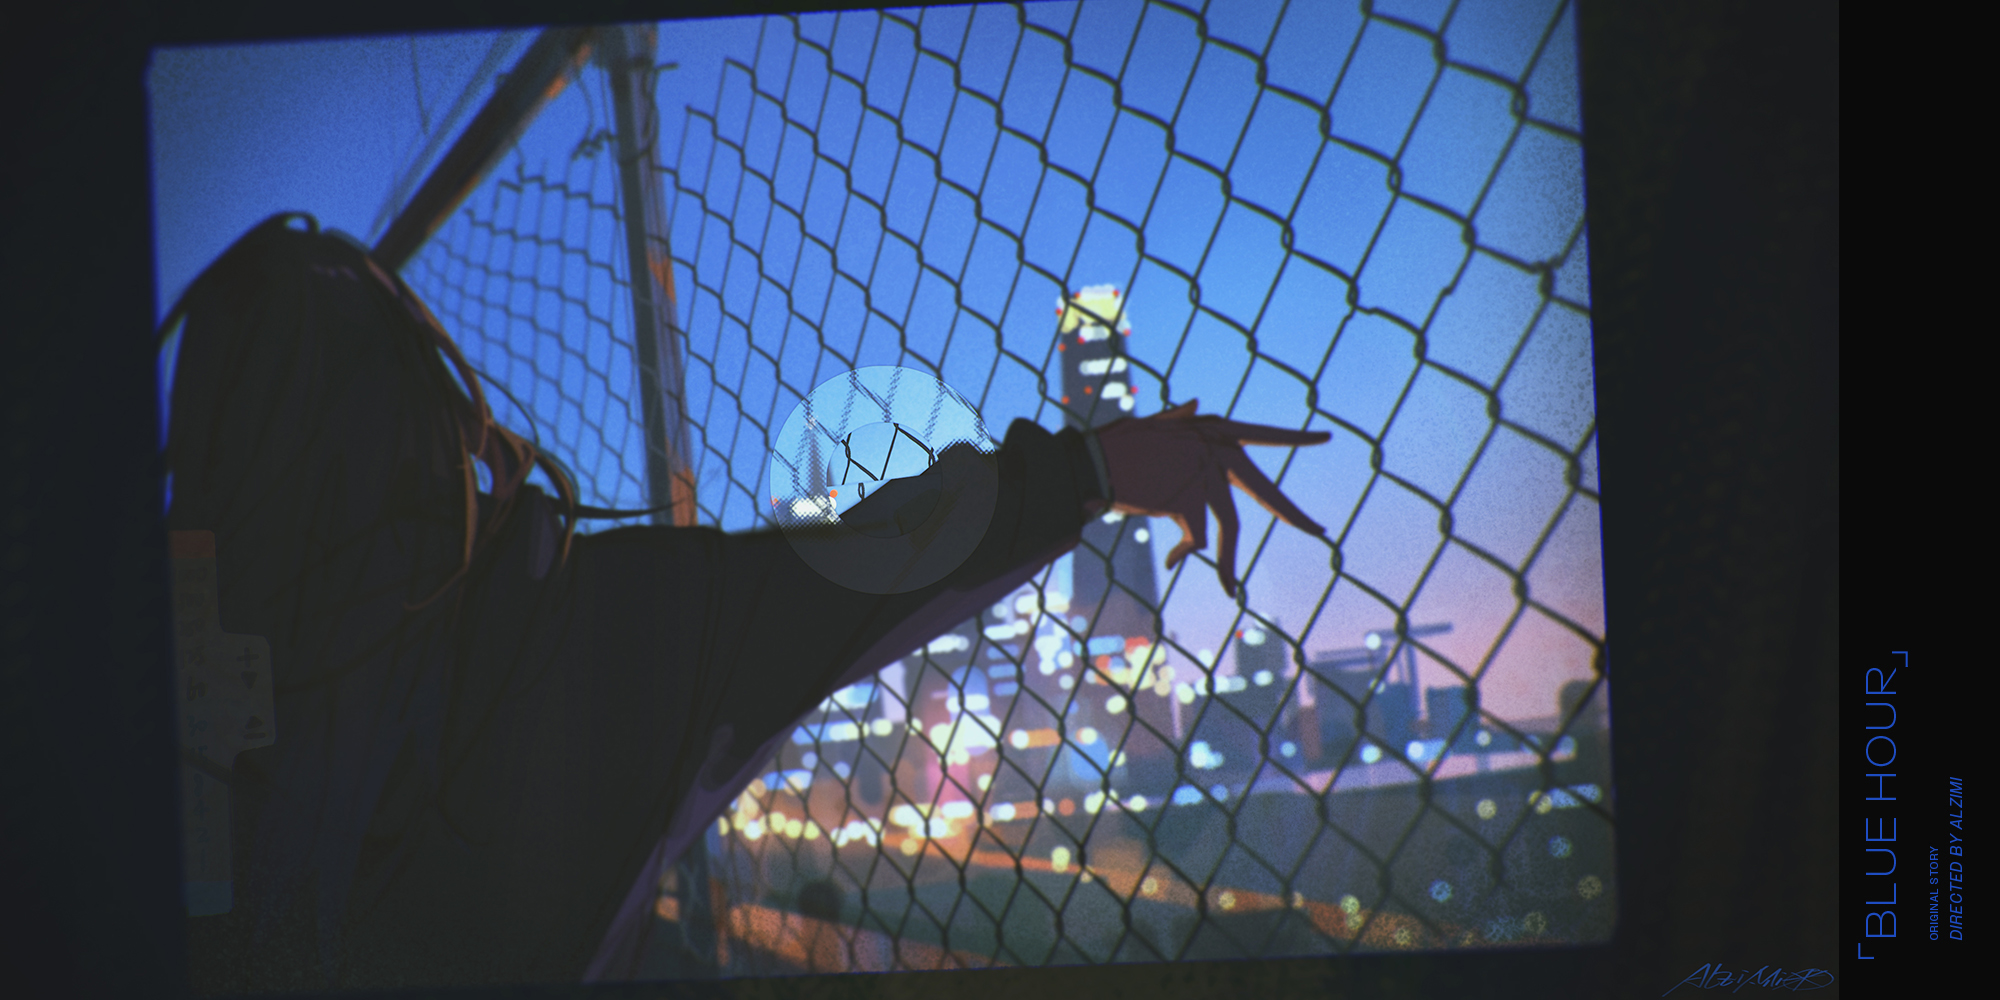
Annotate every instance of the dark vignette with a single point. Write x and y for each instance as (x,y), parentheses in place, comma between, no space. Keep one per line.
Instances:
(1713,171)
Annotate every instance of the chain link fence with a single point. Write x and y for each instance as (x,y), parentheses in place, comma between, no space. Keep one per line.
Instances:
(531,278)
(1367,220)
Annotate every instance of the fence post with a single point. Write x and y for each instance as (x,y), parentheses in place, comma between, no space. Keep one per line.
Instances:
(628,58)
(627,54)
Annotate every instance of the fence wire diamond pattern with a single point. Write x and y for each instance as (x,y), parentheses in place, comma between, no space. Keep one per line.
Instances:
(1362,220)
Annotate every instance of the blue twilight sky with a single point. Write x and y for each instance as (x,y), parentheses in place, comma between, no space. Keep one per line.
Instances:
(917,189)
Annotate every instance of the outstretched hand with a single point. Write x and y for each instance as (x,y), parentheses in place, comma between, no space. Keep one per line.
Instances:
(1178,465)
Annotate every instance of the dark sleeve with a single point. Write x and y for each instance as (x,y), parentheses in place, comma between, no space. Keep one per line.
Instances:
(691,653)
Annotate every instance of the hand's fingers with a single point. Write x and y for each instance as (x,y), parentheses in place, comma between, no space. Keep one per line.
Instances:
(1250,479)
(1184,410)
(1265,434)
(1226,526)
(1194,535)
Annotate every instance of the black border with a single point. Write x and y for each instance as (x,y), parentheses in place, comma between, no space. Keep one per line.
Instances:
(1712,159)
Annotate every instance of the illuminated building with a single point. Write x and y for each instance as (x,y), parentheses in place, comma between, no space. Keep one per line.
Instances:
(1097,389)
(1114,592)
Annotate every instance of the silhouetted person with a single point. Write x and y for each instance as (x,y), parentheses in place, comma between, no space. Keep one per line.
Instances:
(486,723)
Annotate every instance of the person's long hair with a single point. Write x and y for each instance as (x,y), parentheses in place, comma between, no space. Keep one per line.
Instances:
(508,457)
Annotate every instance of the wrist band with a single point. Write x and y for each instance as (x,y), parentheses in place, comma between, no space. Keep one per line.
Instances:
(1096,450)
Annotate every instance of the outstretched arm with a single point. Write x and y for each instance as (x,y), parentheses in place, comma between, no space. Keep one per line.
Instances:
(778,637)
(690,653)
(787,630)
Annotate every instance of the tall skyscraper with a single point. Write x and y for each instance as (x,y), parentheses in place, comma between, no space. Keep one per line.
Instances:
(1113,568)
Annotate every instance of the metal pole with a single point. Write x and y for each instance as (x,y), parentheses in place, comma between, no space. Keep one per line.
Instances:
(540,75)
(628,56)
